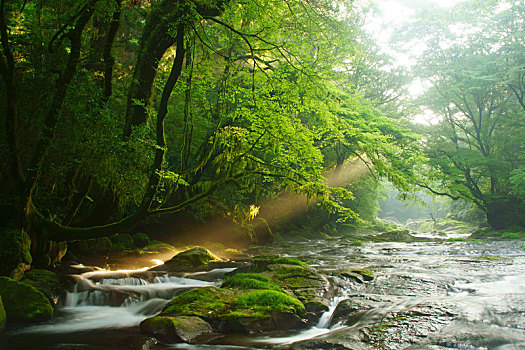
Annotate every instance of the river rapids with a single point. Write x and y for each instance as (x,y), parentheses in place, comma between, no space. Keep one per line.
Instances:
(424,295)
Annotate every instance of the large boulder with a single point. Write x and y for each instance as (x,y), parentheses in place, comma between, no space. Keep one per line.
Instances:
(3,316)
(45,281)
(189,260)
(14,253)
(24,303)
(305,283)
(187,329)
(235,310)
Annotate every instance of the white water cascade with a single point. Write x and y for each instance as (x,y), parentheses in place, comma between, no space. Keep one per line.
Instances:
(117,299)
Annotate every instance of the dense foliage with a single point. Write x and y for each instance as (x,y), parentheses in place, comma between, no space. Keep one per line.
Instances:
(114,111)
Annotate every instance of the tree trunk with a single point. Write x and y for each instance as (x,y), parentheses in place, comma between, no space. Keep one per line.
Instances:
(503,213)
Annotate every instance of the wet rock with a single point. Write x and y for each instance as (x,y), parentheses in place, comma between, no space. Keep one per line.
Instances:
(350,311)
(189,260)
(139,342)
(326,344)
(315,307)
(3,316)
(357,275)
(235,310)
(353,276)
(23,303)
(176,329)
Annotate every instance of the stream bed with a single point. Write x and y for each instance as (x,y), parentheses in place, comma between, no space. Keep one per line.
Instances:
(424,295)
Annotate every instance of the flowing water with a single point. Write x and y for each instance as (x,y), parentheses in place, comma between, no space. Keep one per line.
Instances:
(426,295)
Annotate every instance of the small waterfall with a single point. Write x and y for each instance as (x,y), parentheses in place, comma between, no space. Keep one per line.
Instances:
(116,299)
(324,321)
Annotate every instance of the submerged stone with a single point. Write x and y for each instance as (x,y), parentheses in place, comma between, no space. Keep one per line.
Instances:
(176,329)
(24,303)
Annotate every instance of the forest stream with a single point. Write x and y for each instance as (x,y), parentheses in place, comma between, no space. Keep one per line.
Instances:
(424,295)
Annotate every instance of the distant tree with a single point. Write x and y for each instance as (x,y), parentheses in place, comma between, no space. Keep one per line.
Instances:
(474,60)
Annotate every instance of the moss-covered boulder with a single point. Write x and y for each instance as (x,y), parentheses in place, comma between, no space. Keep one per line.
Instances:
(3,317)
(187,329)
(189,260)
(89,247)
(24,303)
(235,310)
(155,246)
(14,253)
(296,278)
(122,241)
(45,281)
(140,239)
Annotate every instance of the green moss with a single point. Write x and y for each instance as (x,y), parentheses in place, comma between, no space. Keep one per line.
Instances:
(204,302)
(24,303)
(522,246)
(261,301)
(459,239)
(491,258)
(356,243)
(215,303)
(295,277)
(45,281)
(511,235)
(249,281)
